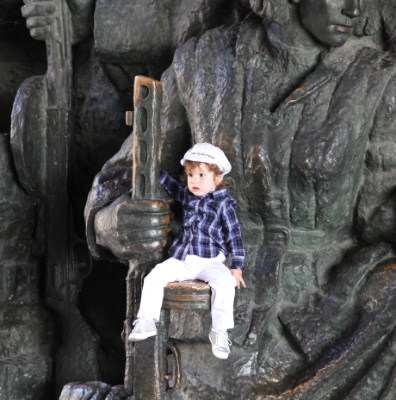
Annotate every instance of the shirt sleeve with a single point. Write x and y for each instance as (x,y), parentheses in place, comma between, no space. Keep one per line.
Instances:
(174,187)
(232,235)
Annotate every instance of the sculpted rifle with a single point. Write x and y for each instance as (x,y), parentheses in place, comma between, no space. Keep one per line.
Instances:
(146,168)
(42,144)
(148,363)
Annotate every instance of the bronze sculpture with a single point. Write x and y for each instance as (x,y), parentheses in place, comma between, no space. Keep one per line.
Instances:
(313,161)
(304,110)
(104,63)
(26,325)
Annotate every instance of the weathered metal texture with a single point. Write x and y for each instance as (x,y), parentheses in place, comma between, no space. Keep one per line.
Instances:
(26,325)
(93,390)
(134,283)
(157,369)
(52,137)
(297,173)
(63,273)
(146,374)
(42,140)
(157,364)
(187,295)
(145,377)
(146,138)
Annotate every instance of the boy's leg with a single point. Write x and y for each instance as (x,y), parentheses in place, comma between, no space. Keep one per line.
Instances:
(152,297)
(223,286)
(153,287)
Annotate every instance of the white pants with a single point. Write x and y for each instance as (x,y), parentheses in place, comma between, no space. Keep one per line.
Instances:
(210,270)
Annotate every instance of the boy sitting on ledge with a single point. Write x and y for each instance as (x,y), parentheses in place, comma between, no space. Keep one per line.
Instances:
(210,232)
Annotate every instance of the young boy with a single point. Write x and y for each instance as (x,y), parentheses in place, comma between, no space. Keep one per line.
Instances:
(210,231)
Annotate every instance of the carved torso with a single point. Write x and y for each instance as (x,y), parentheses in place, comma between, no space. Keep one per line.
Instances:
(301,163)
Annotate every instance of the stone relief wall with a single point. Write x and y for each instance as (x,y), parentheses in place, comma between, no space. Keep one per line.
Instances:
(28,329)
(305,115)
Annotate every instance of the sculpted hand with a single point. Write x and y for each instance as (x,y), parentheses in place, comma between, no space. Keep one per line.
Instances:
(237,274)
(39,17)
(129,228)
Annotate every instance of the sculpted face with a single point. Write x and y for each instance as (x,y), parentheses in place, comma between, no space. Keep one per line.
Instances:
(330,21)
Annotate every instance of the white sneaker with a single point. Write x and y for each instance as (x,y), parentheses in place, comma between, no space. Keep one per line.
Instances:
(220,343)
(143,329)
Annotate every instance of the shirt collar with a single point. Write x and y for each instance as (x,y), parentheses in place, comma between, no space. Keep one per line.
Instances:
(216,195)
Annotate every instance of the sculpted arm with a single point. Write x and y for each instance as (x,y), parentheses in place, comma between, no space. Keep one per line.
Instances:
(118,227)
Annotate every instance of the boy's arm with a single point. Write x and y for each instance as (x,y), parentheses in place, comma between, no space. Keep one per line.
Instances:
(174,188)
(233,238)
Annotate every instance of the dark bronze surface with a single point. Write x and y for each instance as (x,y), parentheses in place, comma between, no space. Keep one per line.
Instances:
(187,295)
(300,94)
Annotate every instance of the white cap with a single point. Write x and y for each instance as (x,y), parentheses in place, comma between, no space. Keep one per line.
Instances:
(207,153)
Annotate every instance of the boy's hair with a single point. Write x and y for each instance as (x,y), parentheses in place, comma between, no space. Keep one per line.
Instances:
(189,165)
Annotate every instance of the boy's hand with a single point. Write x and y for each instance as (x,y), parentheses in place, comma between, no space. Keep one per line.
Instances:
(237,274)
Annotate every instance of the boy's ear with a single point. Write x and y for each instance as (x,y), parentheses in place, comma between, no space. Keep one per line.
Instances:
(219,178)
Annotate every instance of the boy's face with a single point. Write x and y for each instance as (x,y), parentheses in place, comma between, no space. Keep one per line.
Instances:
(201,181)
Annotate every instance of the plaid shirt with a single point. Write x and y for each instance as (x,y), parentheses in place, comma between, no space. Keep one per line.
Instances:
(209,225)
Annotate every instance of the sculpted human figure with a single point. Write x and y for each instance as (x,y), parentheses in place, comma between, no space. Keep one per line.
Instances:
(302,101)
(112,42)
(26,325)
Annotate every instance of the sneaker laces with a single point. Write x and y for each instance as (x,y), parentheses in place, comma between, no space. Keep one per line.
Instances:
(222,339)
